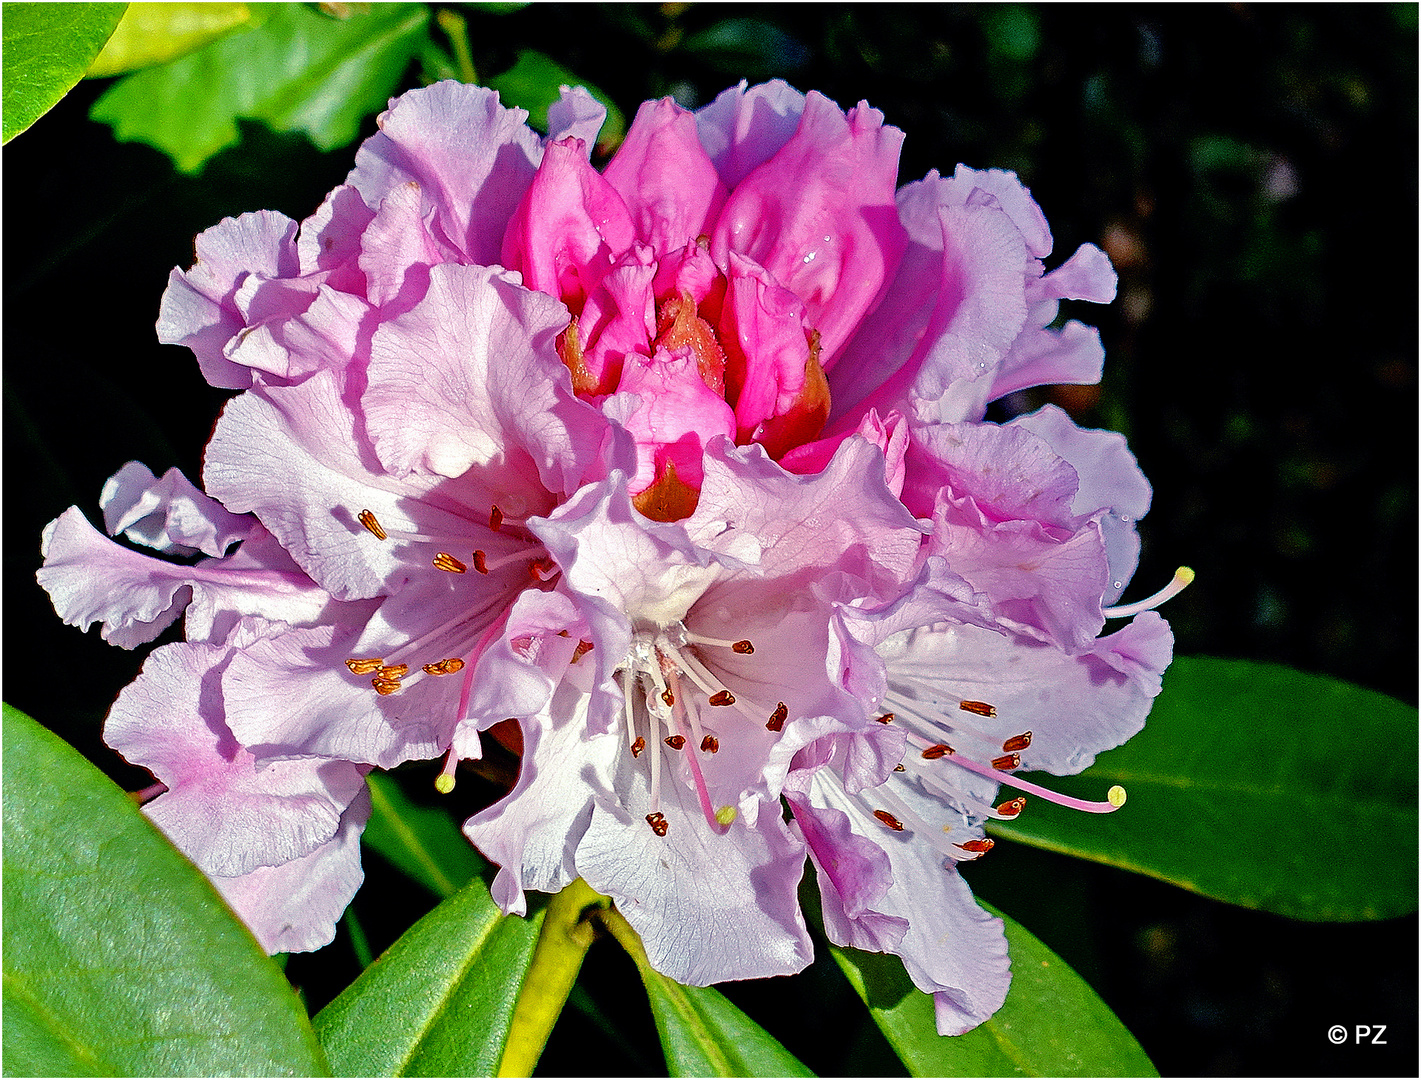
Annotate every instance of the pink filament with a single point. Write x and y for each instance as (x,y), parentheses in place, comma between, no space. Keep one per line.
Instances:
(1033,789)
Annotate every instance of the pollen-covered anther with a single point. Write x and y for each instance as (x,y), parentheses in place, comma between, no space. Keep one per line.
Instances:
(495,519)
(540,566)
(583,648)
(889,820)
(480,562)
(778,717)
(444,667)
(710,744)
(1018,742)
(675,741)
(980,708)
(383,686)
(886,718)
(446,562)
(366,518)
(1007,762)
(638,746)
(659,825)
(743,647)
(938,750)
(394,671)
(978,847)
(899,767)
(366,666)
(1012,807)
(724,697)
(668,697)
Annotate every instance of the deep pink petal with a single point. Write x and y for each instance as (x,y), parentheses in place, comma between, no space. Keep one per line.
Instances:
(677,415)
(743,128)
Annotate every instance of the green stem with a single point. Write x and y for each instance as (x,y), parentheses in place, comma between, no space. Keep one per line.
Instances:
(457,30)
(358,941)
(562,944)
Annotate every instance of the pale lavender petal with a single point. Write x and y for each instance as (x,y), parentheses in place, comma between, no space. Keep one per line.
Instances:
(170,514)
(575,114)
(397,250)
(327,332)
(1072,355)
(742,128)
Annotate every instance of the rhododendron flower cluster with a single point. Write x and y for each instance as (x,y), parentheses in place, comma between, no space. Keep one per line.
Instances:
(676,473)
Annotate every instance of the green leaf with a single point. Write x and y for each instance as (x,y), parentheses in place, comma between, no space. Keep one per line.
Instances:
(702,1033)
(294,70)
(119,956)
(1053,1023)
(533,83)
(424,842)
(1259,785)
(440,1001)
(47,48)
(156,33)
(751,48)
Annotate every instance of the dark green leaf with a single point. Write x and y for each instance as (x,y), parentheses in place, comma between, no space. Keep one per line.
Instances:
(48,47)
(532,83)
(294,70)
(751,48)
(119,956)
(702,1033)
(1259,785)
(156,33)
(440,1001)
(1053,1023)
(422,841)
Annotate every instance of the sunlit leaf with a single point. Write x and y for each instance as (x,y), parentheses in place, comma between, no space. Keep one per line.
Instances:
(156,33)
(1053,1023)
(295,70)
(120,959)
(1259,785)
(47,49)
(533,83)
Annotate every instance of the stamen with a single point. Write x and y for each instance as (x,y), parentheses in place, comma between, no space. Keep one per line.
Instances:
(394,671)
(886,718)
(1018,742)
(385,687)
(1177,584)
(495,519)
(1012,807)
(981,708)
(446,562)
(710,744)
(638,746)
(1007,762)
(1115,796)
(743,646)
(583,648)
(778,718)
(480,562)
(686,711)
(444,782)
(978,847)
(541,566)
(889,820)
(668,697)
(365,667)
(675,741)
(151,792)
(938,750)
(724,697)
(659,825)
(366,518)
(899,767)
(448,666)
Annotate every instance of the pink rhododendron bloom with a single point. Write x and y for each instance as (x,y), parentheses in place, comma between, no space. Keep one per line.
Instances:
(679,466)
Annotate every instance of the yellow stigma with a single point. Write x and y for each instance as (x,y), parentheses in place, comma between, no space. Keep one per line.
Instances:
(1184,575)
(1116,796)
(444,783)
(726,814)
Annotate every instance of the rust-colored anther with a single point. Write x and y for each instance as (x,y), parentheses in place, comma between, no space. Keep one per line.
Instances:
(444,667)
(743,647)
(937,750)
(978,847)
(1012,807)
(480,562)
(659,825)
(540,566)
(899,768)
(394,671)
(384,687)
(446,562)
(638,746)
(710,744)
(886,718)
(1018,742)
(778,717)
(668,697)
(583,648)
(495,519)
(366,518)
(725,697)
(366,666)
(889,820)
(981,708)
(675,741)
(1007,762)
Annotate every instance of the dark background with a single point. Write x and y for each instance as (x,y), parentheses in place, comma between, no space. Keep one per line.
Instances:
(1251,171)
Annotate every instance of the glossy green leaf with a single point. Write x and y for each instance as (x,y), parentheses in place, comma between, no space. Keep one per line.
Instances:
(533,83)
(1259,785)
(295,70)
(440,1000)
(1053,1023)
(750,48)
(156,33)
(47,49)
(702,1032)
(119,956)
(422,841)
